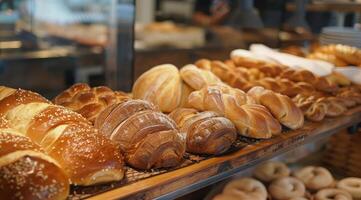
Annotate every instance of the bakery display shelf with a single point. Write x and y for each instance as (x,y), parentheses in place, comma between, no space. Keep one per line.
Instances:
(175,183)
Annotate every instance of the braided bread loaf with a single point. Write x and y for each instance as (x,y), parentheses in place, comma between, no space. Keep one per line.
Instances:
(251,120)
(25,171)
(162,85)
(86,156)
(205,132)
(87,101)
(147,138)
(350,55)
(281,106)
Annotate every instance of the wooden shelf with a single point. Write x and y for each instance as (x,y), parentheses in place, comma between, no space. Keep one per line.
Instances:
(179,182)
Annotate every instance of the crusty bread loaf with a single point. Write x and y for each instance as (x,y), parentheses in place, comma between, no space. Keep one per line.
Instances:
(86,156)
(205,132)
(162,85)
(281,106)
(148,138)
(250,119)
(87,101)
(25,171)
(198,78)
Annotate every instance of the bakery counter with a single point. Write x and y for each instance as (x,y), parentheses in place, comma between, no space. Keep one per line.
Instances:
(201,172)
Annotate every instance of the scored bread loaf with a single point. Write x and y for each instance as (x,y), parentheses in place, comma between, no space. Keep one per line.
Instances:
(86,156)
(281,106)
(198,78)
(250,119)
(87,101)
(148,138)
(25,171)
(162,85)
(205,132)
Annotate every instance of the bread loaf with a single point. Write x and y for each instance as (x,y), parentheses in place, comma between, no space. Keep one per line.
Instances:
(198,78)
(350,55)
(205,132)
(281,106)
(87,101)
(148,138)
(250,119)
(86,156)
(162,85)
(25,171)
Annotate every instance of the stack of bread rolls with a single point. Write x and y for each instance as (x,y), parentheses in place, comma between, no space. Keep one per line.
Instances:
(274,180)
(317,97)
(86,156)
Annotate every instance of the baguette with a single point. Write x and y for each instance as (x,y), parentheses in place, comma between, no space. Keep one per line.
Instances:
(86,156)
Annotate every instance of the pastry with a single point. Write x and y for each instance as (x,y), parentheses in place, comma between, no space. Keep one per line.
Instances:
(281,106)
(251,120)
(198,78)
(315,178)
(205,132)
(162,85)
(246,188)
(87,101)
(287,188)
(271,170)
(147,138)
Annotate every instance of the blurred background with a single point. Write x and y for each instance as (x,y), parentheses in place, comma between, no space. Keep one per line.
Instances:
(47,45)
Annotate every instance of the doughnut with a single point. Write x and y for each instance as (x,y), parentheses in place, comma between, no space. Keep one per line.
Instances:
(352,186)
(246,188)
(332,194)
(315,178)
(270,171)
(286,188)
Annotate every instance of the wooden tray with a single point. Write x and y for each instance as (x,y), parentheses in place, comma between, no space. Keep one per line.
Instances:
(195,175)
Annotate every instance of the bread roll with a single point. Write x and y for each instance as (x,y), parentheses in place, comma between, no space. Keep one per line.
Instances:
(87,101)
(148,139)
(161,85)
(25,171)
(205,132)
(86,156)
(250,119)
(198,78)
(281,107)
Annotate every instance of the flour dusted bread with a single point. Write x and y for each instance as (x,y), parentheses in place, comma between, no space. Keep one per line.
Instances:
(25,171)
(281,106)
(86,156)
(162,85)
(87,101)
(205,132)
(147,137)
(250,119)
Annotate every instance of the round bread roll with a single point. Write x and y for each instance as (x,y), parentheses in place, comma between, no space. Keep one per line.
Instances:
(315,178)
(351,185)
(246,189)
(287,188)
(332,194)
(270,171)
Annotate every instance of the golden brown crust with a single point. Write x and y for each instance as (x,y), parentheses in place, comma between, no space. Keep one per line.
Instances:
(250,119)
(27,173)
(280,106)
(19,97)
(351,55)
(206,132)
(87,101)
(148,139)
(156,85)
(198,78)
